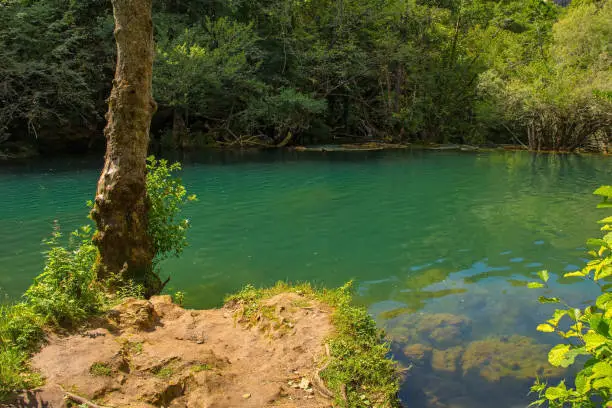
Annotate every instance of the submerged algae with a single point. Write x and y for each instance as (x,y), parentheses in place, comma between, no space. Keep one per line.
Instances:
(439,330)
(514,356)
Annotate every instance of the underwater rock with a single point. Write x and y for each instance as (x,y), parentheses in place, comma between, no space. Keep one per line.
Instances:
(447,360)
(438,330)
(417,353)
(518,357)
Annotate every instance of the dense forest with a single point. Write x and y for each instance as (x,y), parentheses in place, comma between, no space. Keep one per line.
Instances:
(272,73)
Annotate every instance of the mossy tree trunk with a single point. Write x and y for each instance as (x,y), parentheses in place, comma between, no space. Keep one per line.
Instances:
(121,204)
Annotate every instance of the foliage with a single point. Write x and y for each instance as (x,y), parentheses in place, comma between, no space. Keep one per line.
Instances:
(66,293)
(167,195)
(56,60)
(287,113)
(358,370)
(554,97)
(13,373)
(589,332)
(240,73)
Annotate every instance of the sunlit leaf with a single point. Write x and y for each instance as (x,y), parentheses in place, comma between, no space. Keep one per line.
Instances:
(543,275)
(557,356)
(535,285)
(554,393)
(574,274)
(604,191)
(604,301)
(593,340)
(545,328)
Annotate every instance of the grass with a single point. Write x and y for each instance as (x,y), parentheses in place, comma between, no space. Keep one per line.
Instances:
(201,367)
(358,371)
(100,369)
(133,347)
(164,372)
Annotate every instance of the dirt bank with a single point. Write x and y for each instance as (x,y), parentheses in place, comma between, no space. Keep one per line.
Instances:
(157,354)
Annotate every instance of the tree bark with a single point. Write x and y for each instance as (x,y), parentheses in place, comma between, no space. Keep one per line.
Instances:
(121,204)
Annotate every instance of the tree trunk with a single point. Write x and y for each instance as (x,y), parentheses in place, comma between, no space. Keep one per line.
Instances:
(121,205)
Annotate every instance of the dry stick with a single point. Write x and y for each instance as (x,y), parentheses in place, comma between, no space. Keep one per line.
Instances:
(80,400)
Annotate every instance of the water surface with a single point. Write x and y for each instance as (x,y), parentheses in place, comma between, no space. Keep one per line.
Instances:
(423,234)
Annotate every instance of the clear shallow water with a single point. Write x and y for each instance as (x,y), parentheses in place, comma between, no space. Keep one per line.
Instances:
(420,232)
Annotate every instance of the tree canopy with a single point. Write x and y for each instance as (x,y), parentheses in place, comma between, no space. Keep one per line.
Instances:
(271,72)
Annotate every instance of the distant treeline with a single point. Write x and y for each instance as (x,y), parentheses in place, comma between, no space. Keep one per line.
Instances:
(278,72)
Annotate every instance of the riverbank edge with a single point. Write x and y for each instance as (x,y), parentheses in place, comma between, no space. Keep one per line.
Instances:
(26,152)
(357,370)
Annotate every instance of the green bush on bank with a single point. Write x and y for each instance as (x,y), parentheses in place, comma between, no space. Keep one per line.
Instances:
(67,292)
(589,333)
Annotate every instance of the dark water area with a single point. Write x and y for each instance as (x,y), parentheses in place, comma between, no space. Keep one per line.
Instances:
(439,245)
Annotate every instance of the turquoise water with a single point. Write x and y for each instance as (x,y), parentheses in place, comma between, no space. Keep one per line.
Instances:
(423,234)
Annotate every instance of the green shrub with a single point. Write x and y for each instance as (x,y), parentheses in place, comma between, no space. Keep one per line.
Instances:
(168,195)
(20,327)
(589,333)
(67,292)
(14,373)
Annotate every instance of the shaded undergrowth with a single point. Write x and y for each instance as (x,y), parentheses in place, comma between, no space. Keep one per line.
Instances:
(357,370)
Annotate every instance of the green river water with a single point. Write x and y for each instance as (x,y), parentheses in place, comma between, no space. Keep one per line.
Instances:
(430,238)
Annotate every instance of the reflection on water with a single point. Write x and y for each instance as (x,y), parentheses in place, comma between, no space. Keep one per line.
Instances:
(439,243)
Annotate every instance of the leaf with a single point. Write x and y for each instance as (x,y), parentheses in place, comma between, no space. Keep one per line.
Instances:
(604,191)
(602,369)
(603,383)
(557,317)
(535,285)
(604,301)
(607,220)
(557,356)
(599,324)
(603,273)
(545,328)
(593,340)
(574,314)
(596,242)
(573,274)
(544,299)
(543,275)
(553,393)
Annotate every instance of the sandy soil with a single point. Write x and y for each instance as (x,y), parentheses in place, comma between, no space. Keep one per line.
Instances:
(157,354)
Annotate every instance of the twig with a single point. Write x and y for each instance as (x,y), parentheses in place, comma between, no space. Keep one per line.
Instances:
(80,400)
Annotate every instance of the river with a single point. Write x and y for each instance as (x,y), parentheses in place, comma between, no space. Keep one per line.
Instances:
(439,245)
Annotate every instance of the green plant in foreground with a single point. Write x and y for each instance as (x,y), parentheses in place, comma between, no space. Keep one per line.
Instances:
(358,371)
(590,331)
(100,369)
